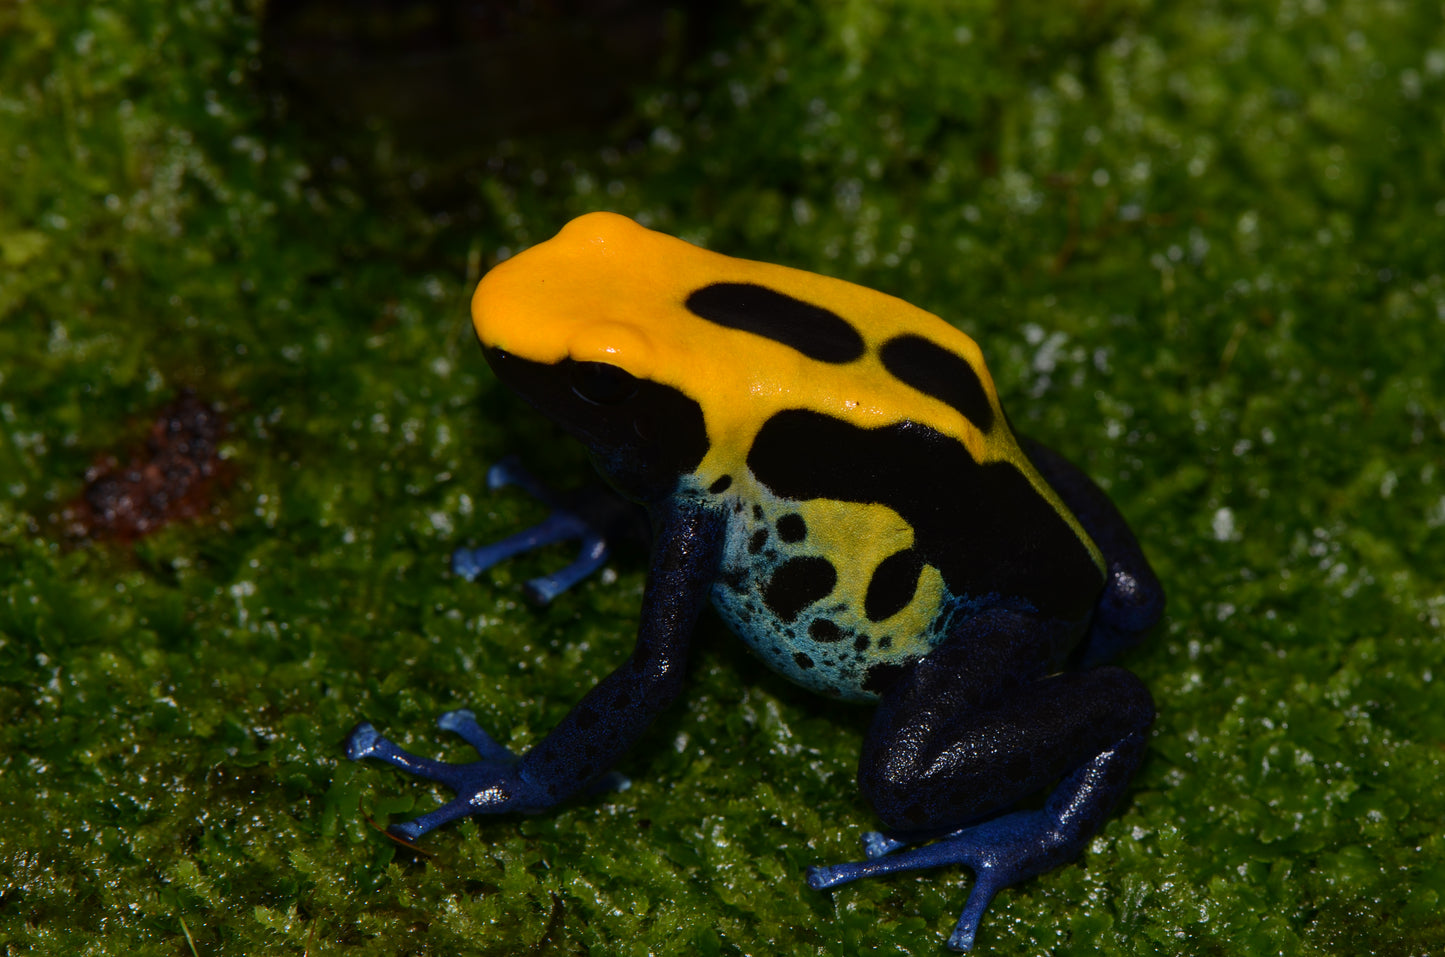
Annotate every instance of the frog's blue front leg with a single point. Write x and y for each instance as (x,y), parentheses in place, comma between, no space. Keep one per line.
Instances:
(579,751)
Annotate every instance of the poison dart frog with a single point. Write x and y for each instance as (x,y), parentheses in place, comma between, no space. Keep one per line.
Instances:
(831,467)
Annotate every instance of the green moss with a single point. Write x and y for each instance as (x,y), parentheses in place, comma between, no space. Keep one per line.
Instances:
(1199,243)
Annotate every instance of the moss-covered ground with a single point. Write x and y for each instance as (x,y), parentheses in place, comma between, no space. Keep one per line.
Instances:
(1202,245)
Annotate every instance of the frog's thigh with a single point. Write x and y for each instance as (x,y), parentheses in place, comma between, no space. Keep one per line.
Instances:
(1133,599)
(968,731)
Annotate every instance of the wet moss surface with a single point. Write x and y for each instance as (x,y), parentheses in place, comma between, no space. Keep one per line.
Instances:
(1200,244)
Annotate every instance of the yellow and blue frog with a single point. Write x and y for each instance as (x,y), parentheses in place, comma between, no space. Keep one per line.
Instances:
(831,467)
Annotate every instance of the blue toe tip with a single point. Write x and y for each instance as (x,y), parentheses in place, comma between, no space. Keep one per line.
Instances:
(461,717)
(960,941)
(361,742)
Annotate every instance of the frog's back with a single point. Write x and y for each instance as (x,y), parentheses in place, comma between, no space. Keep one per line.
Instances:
(876,489)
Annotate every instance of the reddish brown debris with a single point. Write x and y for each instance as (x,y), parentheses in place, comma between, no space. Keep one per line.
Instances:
(170,479)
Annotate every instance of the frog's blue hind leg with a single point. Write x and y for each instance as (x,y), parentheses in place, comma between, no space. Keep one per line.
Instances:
(1006,849)
(564,524)
(973,729)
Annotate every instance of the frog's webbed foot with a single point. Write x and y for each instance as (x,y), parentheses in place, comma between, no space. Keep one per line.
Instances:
(594,520)
(1006,849)
(1001,852)
(490,785)
(481,785)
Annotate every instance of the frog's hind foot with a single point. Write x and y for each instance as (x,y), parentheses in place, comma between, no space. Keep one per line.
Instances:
(577,518)
(990,849)
(1009,848)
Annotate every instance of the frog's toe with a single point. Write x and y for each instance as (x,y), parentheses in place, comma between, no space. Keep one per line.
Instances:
(964,932)
(876,844)
(822,877)
(511,471)
(362,741)
(453,810)
(591,556)
(463,724)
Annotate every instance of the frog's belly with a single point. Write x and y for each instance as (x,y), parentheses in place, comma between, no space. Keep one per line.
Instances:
(795,585)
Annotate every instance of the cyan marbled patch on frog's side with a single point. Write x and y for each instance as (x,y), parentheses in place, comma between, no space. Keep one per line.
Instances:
(811,621)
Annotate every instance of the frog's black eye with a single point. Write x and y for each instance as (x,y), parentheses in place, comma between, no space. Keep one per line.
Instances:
(602,384)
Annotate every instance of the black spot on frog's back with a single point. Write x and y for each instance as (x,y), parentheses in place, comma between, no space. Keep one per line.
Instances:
(983,526)
(933,370)
(816,332)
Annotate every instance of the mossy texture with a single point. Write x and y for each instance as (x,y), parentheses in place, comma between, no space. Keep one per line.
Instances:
(1202,246)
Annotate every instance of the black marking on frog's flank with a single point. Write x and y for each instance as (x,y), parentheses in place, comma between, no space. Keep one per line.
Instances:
(983,526)
(757,540)
(933,370)
(802,660)
(882,676)
(721,485)
(893,583)
(798,583)
(792,528)
(824,631)
(816,332)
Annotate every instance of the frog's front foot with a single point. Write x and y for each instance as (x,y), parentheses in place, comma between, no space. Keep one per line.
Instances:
(564,524)
(1001,852)
(487,786)
(491,785)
